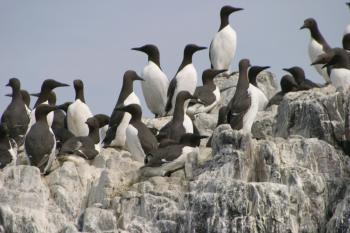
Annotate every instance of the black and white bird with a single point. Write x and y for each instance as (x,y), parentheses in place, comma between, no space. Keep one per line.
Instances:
(8,147)
(174,153)
(78,112)
(317,45)
(244,106)
(40,141)
(208,94)
(139,139)
(156,83)
(223,46)
(288,84)
(339,61)
(299,76)
(119,121)
(26,99)
(185,78)
(180,123)
(87,147)
(253,73)
(45,92)
(15,115)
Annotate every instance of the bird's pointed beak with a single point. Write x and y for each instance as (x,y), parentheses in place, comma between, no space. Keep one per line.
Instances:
(137,49)
(8,95)
(265,67)
(35,94)
(7,85)
(286,69)
(201,48)
(302,27)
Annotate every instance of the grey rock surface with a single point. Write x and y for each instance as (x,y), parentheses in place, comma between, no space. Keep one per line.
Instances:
(291,174)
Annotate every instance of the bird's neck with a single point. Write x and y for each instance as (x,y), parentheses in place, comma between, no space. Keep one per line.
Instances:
(179,111)
(94,134)
(224,22)
(79,94)
(126,90)
(185,61)
(155,59)
(316,35)
(44,96)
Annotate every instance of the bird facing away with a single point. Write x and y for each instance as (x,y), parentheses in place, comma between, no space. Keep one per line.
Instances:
(180,122)
(78,112)
(208,94)
(339,62)
(15,115)
(26,99)
(8,148)
(40,141)
(317,45)
(299,76)
(253,72)
(139,139)
(47,86)
(185,78)
(288,84)
(243,107)
(115,135)
(223,46)
(155,83)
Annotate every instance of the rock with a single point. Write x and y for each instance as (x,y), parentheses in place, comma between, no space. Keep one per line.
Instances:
(99,220)
(262,127)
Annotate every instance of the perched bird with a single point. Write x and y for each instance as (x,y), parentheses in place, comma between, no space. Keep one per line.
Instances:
(40,141)
(175,152)
(222,119)
(317,45)
(223,46)
(78,112)
(103,121)
(339,61)
(299,76)
(26,99)
(45,92)
(252,75)
(185,78)
(208,94)
(88,146)
(180,122)
(8,147)
(155,83)
(59,125)
(139,139)
(115,135)
(15,115)
(244,106)
(288,84)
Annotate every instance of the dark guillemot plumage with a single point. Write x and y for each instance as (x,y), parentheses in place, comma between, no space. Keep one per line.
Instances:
(185,78)
(288,84)
(299,76)
(155,83)
(115,135)
(16,115)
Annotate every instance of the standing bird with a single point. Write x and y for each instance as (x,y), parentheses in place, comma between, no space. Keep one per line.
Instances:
(40,141)
(244,106)
(45,92)
(139,139)
(8,148)
(317,45)
(155,83)
(78,112)
(223,46)
(208,94)
(299,76)
(252,75)
(185,78)
(339,61)
(180,123)
(88,146)
(288,84)
(103,121)
(15,115)
(115,135)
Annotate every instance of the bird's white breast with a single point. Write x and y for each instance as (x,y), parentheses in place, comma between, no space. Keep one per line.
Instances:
(155,88)
(188,124)
(77,114)
(52,155)
(347,30)
(316,49)
(223,48)
(134,144)
(261,97)
(250,115)
(33,120)
(340,78)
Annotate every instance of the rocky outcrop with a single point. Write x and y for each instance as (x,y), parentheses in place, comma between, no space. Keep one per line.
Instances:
(291,174)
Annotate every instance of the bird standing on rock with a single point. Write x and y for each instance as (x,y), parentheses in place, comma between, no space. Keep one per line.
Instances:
(185,78)
(119,121)
(223,46)
(252,75)
(299,76)
(288,84)
(155,83)
(78,112)
(15,115)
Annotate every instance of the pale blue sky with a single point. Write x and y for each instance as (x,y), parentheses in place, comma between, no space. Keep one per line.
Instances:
(91,40)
